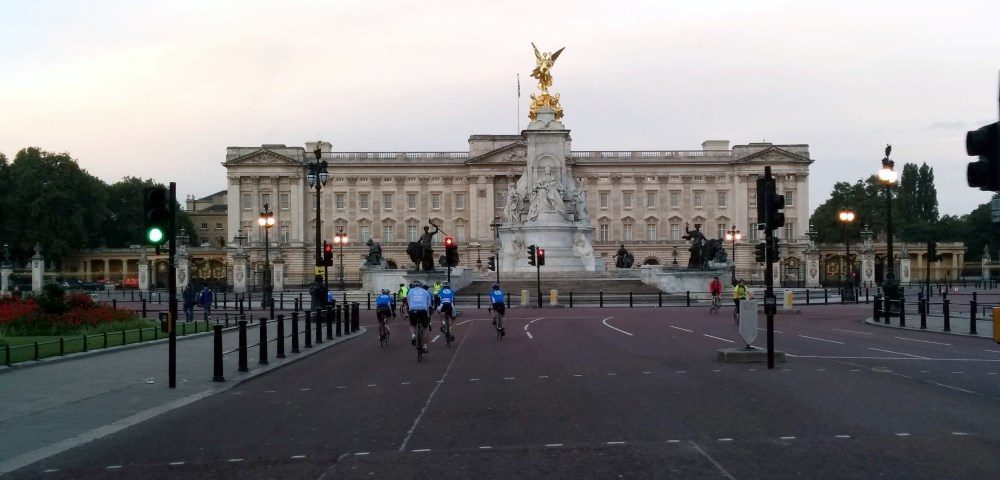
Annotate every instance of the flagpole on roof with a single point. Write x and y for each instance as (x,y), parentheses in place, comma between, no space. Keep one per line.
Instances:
(518,103)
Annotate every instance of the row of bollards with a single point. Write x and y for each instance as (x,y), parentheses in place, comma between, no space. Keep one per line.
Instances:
(339,320)
(883,310)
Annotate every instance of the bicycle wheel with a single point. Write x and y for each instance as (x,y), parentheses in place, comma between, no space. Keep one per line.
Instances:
(447,329)
(383,333)
(420,342)
(499,319)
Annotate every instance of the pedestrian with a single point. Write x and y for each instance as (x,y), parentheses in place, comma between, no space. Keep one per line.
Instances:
(189,295)
(739,294)
(205,300)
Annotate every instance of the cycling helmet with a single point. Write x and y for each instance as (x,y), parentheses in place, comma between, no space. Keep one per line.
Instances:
(496,286)
(385,291)
(446,285)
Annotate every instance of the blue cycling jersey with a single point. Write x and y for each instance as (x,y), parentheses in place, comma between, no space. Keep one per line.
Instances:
(497,296)
(447,295)
(418,299)
(383,300)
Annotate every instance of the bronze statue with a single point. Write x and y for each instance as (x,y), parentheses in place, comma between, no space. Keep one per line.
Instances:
(420,252)
(697,259)
(623,259)
(374,257)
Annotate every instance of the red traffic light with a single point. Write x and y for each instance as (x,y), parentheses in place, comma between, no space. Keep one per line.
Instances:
(327,248)
(448,241)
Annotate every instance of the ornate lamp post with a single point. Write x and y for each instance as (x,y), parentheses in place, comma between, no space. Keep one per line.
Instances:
(846,217)
(732,235)
(496,244)
(340,238)
(266,220)
(317,177)
(887,176)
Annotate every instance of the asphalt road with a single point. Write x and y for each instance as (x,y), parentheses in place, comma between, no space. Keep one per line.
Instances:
(589,393)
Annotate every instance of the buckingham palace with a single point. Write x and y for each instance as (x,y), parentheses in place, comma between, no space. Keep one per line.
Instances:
(642,199)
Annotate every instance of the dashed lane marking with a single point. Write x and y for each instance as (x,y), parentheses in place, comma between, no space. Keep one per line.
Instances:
(788,438)
(371,384)
(361,453)
(854,331)
(673,441)
(616,443)
(842,436)
(897,353)
(235,460)
(949,386)
(298,457)
(958,372)
(341,387)
(725,439)
(612,373)
(436,337)
(543,376)
(51,470)
(821,339)
(577,375)
(902,434)
(922,341)
(421,450)
(485,447)
(113,467)
(718,338)
(473,379)
(268,391)
(682,329)
(174,464)
(304,389)
(959,434)
(405,383)
(553,444)
(605,322)
(682,371)
(508,378)
(646,373)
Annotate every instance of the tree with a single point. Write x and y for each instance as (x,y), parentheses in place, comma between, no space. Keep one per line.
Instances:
(927,204)
(865,197)
(122,225)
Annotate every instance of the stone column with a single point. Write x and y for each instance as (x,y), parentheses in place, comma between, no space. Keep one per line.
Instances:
(239,272)
(278,273)
(904,265)
(183,270)
(812,268)
(986,264)
(37,270)
(144,279)
(107,269)
(124,269)
(5,272)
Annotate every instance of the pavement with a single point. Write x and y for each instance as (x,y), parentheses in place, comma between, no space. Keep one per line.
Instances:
(57,405)
(586,393)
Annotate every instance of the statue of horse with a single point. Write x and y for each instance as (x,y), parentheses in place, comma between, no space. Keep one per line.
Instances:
(713,251)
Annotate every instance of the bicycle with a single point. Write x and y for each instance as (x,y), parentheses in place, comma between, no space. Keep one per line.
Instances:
(447,328)
(716,304)
(420,342)
(383,329)
(498,322)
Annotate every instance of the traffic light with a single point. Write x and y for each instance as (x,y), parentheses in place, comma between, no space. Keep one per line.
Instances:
(540,256)
(759,252)
(450,252)
(531,255)
(775,205)
(984,142)
(492,265)
(773,251)
(327,254)
(932,255)
(761,202)
(156,216)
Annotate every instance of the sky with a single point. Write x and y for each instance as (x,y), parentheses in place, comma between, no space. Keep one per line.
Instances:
(160,89)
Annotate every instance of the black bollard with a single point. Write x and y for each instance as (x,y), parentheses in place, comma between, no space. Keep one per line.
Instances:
(369,301)
(687,296)
(243,347)
(114,304)
(902,312)
(270,305)
(600,298)
(143,309)
(945,307)
(338,320)
(281,301)
(295,332)
(826,297)
(329,322)
(875,312)
(217,355)
(280,348)
(241,305)
(630,299)
(308,329)
(263,342)
(355,317)
(659,298)
(866,295)
(972,315)
(319,325)
(807,296)
(922,307)
(479,301)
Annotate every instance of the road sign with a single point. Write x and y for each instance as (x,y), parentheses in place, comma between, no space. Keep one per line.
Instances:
(995,209)
(748,320)
(317,270)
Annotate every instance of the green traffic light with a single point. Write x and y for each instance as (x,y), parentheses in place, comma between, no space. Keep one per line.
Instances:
(155,235)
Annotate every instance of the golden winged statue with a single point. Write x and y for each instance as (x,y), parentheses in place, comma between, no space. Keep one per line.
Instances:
(543,72)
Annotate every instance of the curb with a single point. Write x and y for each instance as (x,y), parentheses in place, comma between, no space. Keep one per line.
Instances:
(40,454)
(870,321)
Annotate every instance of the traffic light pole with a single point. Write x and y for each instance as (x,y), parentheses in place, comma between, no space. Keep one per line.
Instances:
(770,302)
(538,278)
(172,289)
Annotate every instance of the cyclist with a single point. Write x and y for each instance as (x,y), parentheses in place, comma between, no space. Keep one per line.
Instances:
(739,294)
(715,289)
(446,299)
(383,309)
(497,299)
(436,291)
(419,303)
(401,297)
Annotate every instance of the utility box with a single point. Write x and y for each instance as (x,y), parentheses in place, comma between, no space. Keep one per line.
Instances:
(789,300)
(553,297)
(525,298)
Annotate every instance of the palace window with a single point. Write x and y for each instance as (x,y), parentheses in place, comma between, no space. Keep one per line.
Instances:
(285,234)
(752,234)
(789,197)
(218,226)
(388,236)
(604,199)
(651,232)
(627,232)
(460,233)
(675,231)
(721,231)
(459,201)
(387,201)
(411,233)
(790,230)
(284,200)
(363,201)
(247,201)
(366,233)
(627,199)
(340,199)
(411,201)
(699,199)
(436,201)
(605,232)
(722,199)
(675,199)
(265,198)
(204,226)
(650,199)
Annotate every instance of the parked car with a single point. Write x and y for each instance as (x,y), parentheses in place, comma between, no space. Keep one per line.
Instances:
(109,284)
(76,284)
(130,282)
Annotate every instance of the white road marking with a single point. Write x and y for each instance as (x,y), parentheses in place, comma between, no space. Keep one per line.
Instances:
(405,383)
(485,447)
(716,370)
(682,371)
(991,373)
(473,379)
(646,373)
(960,434)
(764,330)
(610,374)
(842,436)
(718,338)
(925,371)
(577,375)
(922,341)
(268,391)
(988,350)
(725,439)
(710,459)
(820,369)
(854,331)
(605,322)
(235,460)
(304,389)
(616,443)
(821,339)
(903,434)
(420,450)
(342,386)
(673,441)
(436,337)
(949,386)
(113,467)
(51,470)
(788,438)
(958,372)
(526,325)
(684,329)
(855,369)
(416,421)
(508,378)
(371,385)
(361,453)
(298,457)
(463,322)
(543,376)
(529,335)
(897,353)
(553,444)
(752,369)
(175,463)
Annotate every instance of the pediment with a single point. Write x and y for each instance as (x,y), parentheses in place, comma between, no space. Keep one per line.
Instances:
(263,157)
(774,155)
(514,154)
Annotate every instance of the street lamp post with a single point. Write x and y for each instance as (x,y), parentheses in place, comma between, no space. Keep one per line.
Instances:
(732,235)
(496,244)
(317,177)
(340,238)
(847,291)
(887,176)
(266,220)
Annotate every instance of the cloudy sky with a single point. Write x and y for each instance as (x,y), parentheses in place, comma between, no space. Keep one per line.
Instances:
(160,89)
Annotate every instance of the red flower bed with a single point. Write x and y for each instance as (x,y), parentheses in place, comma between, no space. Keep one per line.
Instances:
(12,309)
(24,317)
